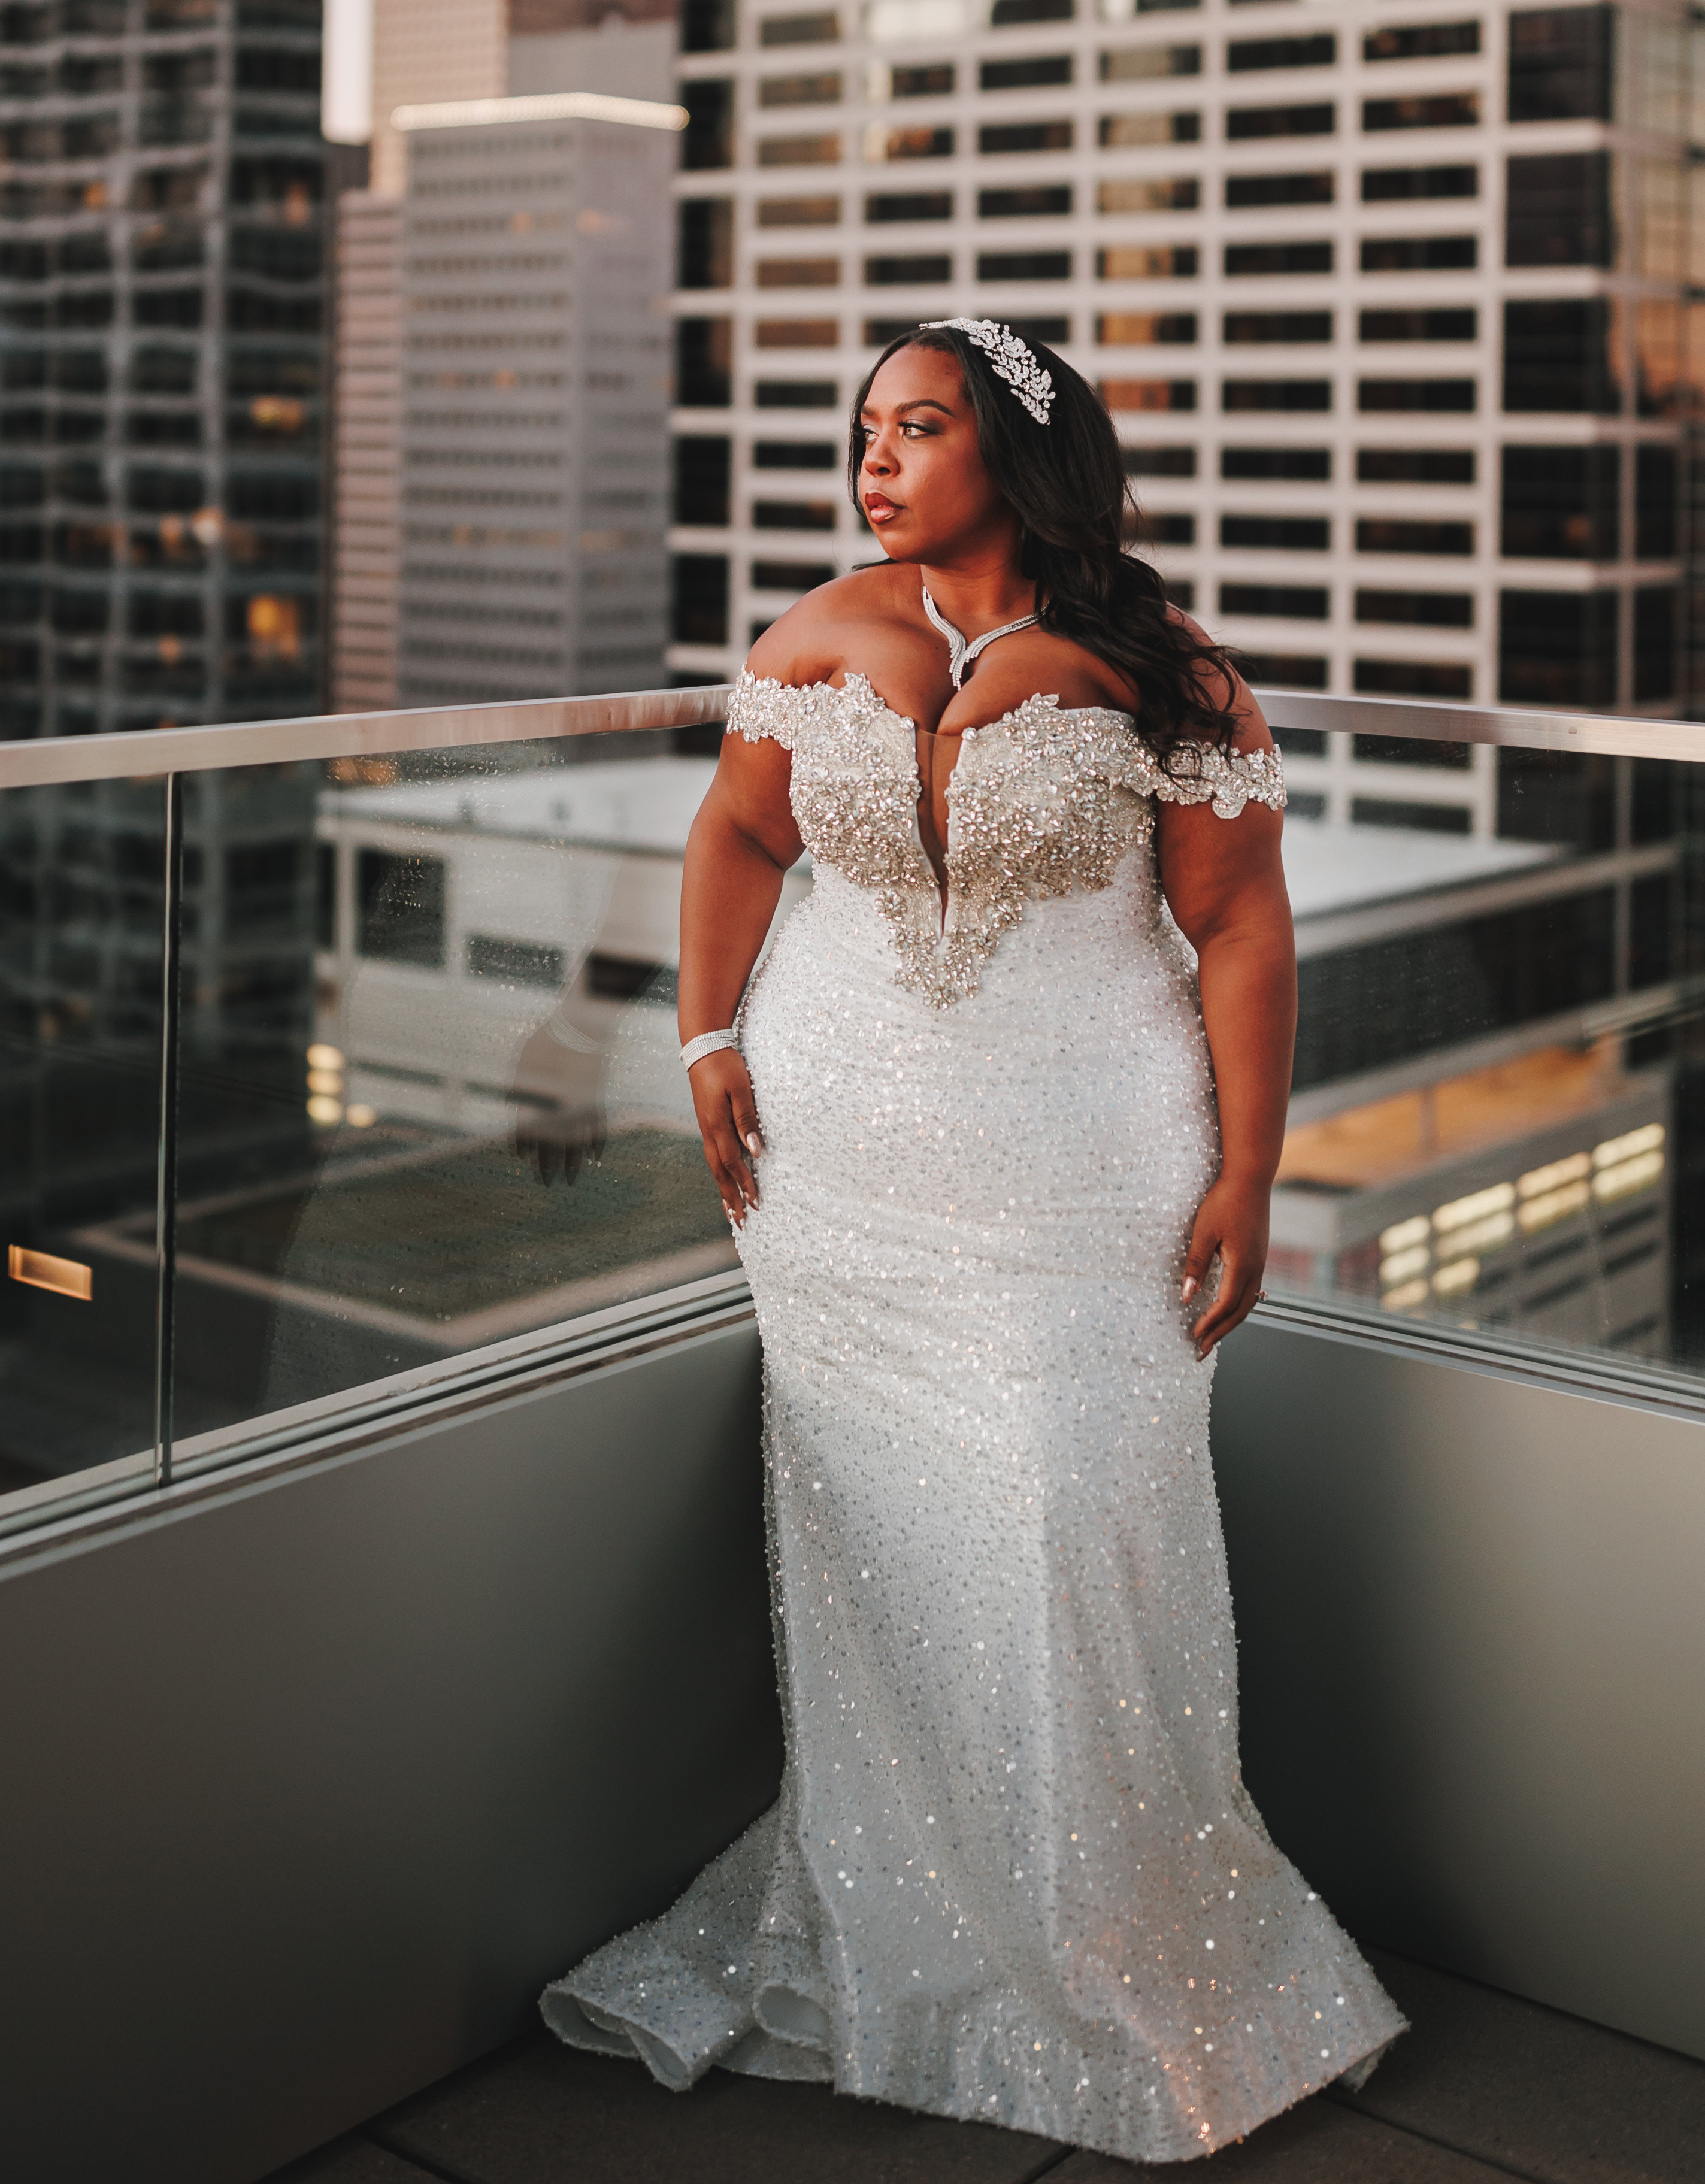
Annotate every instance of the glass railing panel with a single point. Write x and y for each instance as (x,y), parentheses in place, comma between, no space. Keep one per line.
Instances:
(82,872)
(1497,1119)
(448,1107)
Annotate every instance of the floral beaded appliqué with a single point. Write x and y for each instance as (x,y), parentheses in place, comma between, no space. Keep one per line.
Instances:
(1044,802)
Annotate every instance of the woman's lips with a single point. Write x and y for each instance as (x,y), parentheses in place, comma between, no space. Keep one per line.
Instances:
(879,509)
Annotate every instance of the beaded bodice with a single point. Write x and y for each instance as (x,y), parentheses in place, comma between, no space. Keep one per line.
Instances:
(1046,801)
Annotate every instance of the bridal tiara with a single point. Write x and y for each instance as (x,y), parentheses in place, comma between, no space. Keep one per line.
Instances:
(1008,360)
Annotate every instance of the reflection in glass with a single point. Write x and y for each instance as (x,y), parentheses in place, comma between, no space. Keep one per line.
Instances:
(460,1114)
(1500,1058)
(81,906)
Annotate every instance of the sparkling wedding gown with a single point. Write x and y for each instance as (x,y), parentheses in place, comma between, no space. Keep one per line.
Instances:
(1012,1872)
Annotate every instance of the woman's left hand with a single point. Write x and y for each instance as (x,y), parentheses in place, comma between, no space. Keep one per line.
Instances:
(1231,1221)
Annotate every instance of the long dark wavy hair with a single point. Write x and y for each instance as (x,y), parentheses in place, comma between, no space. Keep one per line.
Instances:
(1066,482)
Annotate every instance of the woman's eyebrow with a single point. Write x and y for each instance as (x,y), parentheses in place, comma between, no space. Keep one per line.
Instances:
(923,402)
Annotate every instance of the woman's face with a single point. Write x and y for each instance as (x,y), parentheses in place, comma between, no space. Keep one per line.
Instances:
(922,483)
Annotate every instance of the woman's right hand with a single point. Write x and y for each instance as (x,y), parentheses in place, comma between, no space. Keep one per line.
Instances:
(728,1123)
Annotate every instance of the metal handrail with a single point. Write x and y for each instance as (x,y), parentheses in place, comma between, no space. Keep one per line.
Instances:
(141,753)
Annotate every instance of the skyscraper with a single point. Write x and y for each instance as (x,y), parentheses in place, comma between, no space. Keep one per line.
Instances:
(161,363)
(1389,315)
(534,399)
(367,483)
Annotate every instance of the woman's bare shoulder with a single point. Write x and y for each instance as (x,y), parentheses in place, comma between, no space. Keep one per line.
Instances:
(1253,733)
(808,644)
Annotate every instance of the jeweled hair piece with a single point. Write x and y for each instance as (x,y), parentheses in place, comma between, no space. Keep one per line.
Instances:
(1008,360)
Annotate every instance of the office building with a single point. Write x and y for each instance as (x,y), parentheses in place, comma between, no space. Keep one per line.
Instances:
(425,51)
(367,475)
(1389,314)
(535,400)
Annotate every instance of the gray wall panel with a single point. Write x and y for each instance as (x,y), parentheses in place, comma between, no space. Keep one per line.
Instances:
(311,1789)
(1471,1615)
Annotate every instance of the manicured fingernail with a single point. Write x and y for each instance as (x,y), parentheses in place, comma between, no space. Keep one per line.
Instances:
(755,1144)
(1189,1288)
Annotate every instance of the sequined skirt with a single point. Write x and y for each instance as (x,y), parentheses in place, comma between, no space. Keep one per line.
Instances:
(1013,1874)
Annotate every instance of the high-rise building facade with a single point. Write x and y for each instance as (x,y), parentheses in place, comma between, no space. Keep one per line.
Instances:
(367,474)
(161,362)
(1388,305)
(535,400)
(424,51)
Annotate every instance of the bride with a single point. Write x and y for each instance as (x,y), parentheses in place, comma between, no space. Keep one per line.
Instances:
(995,1123)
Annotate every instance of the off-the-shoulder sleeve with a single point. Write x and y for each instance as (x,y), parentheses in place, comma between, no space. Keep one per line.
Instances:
(760,707)
(1197,773)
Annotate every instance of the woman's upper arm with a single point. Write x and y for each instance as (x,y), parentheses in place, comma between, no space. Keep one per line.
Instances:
(751,794)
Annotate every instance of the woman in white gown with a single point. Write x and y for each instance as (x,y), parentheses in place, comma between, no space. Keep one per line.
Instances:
(1008,1129)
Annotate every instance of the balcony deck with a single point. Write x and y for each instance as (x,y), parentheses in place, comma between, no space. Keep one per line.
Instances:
(1485,2085)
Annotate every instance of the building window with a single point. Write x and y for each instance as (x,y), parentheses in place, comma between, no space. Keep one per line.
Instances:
(1655,488)
(1042,329)
(911,271)
(702,467)
(1145,394)
(1415,466)
(1142,63)
(796,394)
(1004,12)
(1150,193)
(1286,534)
(708,139)
(1246,193)
(1445,110)
(1412,817)
(881,144)
(1035,70)
(795,455)
(399,908)
(707,26)
(1396,184)
(1556,356)
(936,79)
(1167,530)
(1251,326)
(1561,503)
(1137,329)
(1414,678)
(791,576)
(703,363)
(1556,210)
(1258,260)
(1382,534)
(1421,41)
(1314,464)
(799,212)
(705,255)
(822,88)
(1031,137)
(1557,649)
(797,333)
(1417,609)
(1237,395)
(793,515)
(822,27)
(909,205)
(1283,670)
(821,151)
(798,272)
(1048,200)
(1562,65)
(513,962)
(1420,253)
(1655,621)
(1159,462)
(1138,262)
(1279,602)
(1024,265)
(1419,326)
(698,598)
(1244,55)
(1459,397)
(1317,119)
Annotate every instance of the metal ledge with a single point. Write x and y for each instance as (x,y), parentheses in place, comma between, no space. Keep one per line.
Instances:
(141,753)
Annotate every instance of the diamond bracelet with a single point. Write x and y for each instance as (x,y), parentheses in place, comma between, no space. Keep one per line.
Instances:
(708,1042)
